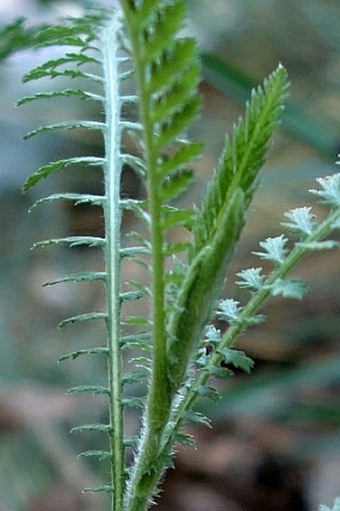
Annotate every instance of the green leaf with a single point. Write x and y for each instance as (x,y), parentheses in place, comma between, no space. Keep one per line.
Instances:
(242,156)
(184,439)
(103,428)
(77,198)
(134,402)
(174,217)
(185,153)
(46,170)
(140,286)
(68,35)
(289,288)
(144,14)
(238,359)
(138,166)
(87,351)
(84,317)
(67,125)
(100,454)
(219,372)
(136,320)
(329,192)
(209,392)
(132,295)
(212,334)
(79,277)
(229,310)
(49,68)
(166,105)
(14,37)
(251,279)
(275,249)
(78,93)
(139,208)
(176,184)
(134,251)
(166,73)
(142,362)
(301,220)
(200,287)
(135,376)
(131,441)
(95,389)
(73,241)
(176,125)
(137,340)
(196,418)
(68,73)
(159,34)
(105,488)
(174,248)
(131,126)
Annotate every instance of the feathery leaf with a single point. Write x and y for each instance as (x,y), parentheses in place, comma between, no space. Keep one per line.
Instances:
(83,317)
(46,170)
(67,125)
(243,156)
(73,241)
(78,277)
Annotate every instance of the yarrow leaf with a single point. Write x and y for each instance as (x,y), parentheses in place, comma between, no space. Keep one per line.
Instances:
(73,241)
(46,170)
(229,310)
(251,279)
(275,249)
(87,351)
(330,190)
(145,127)
(238,359)
(95,389)
(243,155)
(301,220)
(289,288)
(78,277)
(100,454)
(105,488)
(213,334)
(83,317)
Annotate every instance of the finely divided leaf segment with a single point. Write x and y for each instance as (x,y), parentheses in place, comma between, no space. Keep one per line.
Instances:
(139,48)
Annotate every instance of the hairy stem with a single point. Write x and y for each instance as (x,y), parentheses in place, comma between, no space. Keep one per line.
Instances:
(233,332)
(112,256)
(147,467)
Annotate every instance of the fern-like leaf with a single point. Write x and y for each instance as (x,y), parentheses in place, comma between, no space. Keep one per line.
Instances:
(96,41)
(243,155)
(140,45)
(46,170)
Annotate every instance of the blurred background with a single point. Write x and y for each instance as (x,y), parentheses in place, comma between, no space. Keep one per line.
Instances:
(275,441)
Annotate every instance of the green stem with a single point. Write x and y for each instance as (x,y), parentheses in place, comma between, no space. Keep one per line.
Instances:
(159,397)
(112,214)
(159,402)
(233,332)
(147,468)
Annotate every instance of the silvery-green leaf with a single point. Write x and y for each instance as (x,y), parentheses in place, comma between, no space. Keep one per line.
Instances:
(302,220)
(251,278)
(274,249)
(289,288)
